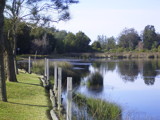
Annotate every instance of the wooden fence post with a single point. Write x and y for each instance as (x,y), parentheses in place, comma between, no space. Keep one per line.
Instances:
(45,67)
(59,87)
(29,65)
(69,98)
(47,70)
(55,78)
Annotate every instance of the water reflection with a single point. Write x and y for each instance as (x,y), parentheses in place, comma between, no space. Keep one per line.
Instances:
(149,72)
(134,81)
(95,82)
(128,70)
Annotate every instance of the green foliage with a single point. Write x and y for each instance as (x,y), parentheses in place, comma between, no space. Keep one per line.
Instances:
(102,40)
(129,38)
(43,41)
(46,40)
(70,42)
(159,48)
(106,43)
(82,42)
(154,50)
(23,38)
(149,37)
(96,46)
(120,49)
(60,36)
(111,43)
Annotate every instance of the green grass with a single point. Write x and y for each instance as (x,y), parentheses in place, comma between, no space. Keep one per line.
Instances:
(38,66)
(27,100)
(99,109)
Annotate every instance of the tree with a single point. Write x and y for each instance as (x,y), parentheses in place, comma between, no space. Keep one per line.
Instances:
(43,41)
(23,39)
(158,39)
(60,36)
(3,95)
(96,45)
(82,42)
(111,43)
(149,37)
(129,38)
(102,40)
(34,11)
(69,42)
(9,60)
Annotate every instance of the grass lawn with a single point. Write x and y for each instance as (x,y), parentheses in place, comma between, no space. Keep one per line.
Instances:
(27,99)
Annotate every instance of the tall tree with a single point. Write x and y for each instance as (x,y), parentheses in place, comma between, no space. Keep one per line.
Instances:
(43,40)
(9,65)
(23,39)
(69,42)
(3,95)
(60,36)
(111,43)
(129,38)
(34,11)
(102,40)
(149,37)
(96,46)
(82,42)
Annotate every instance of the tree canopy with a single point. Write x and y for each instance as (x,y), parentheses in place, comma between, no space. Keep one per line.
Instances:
(149,37)
(129,38)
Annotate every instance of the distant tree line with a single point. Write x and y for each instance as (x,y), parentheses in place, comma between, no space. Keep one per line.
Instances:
(48,40)
(129,40)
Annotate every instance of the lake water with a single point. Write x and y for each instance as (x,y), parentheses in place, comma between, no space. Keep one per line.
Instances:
(132,84)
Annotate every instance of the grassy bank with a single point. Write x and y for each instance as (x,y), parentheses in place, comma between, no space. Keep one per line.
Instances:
(26,100)
(99,109)
(129,54)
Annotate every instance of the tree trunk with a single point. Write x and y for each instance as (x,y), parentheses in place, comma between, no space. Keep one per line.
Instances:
(14,30)
(3,94)
(10,65)
(14,52)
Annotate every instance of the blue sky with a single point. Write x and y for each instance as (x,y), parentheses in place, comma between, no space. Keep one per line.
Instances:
(110,17)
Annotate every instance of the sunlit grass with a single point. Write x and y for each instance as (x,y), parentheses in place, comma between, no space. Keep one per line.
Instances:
(26,100)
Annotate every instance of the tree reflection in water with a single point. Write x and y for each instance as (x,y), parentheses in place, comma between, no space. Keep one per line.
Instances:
(95,82)
(149,72)
(128,70)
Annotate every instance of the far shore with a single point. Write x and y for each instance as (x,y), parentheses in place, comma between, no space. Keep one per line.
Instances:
(118,55)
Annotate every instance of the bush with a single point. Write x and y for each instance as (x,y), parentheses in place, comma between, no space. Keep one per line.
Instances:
(154,50)
(120,49)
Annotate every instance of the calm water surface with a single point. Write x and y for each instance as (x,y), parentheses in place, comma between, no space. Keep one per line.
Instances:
(132,84)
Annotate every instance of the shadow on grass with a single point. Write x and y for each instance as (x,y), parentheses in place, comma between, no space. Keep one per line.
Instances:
(29,83)
(28,104)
